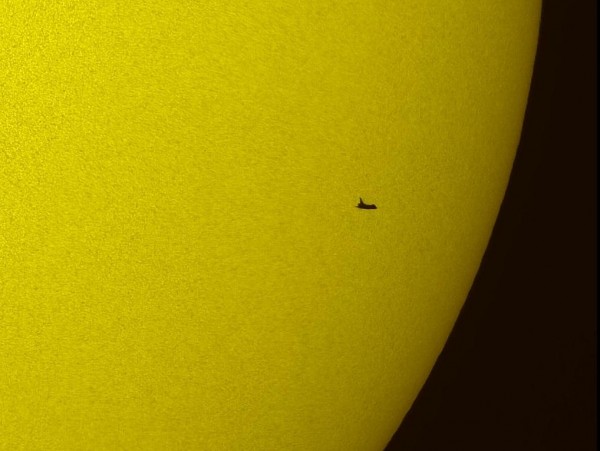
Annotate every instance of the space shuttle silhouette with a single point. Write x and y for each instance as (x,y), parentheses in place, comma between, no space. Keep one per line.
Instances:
(364,206)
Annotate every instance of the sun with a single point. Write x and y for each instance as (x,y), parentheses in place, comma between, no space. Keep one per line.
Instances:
(243,225)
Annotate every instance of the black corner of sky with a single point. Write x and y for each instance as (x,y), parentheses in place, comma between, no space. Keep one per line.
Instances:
(519,370)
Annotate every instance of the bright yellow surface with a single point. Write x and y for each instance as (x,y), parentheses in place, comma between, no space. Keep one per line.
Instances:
(182,263)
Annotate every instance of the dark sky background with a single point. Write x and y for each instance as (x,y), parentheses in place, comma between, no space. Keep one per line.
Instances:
(519,369)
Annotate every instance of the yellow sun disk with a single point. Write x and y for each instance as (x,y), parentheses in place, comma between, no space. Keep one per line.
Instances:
(183,265)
